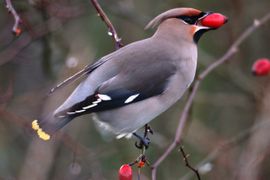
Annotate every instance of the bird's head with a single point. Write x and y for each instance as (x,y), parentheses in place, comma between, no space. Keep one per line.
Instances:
(188,20)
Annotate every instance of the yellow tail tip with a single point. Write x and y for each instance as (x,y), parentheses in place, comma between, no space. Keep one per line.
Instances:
(35,125)
(41,134)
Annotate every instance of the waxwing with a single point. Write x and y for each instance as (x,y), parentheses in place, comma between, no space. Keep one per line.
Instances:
(131,86)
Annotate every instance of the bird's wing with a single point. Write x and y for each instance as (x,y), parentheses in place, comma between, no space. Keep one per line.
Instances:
(131,85)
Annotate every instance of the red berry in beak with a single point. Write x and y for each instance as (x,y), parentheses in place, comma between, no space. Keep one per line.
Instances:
(261,67)
(125,172)
(214,20)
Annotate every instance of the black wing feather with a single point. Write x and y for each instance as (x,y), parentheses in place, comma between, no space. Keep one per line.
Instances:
(127,83)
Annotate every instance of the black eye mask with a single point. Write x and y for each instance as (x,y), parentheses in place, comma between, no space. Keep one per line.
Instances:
(191,19)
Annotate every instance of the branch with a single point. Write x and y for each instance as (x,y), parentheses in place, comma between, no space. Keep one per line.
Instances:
(111,30)
(226,57)
(229,144)
(15,29)
(185,156)
(36,32)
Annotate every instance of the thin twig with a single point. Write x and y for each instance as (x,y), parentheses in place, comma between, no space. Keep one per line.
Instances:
(15,29)
(226,57)
(111,30)
(231,143)
(185,158)
(36,32)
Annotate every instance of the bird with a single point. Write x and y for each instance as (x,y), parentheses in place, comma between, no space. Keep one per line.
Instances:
(131,86)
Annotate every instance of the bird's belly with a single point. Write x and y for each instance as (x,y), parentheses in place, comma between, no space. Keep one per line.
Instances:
(126,120)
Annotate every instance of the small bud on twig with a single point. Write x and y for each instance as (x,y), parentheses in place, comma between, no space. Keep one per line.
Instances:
(16,29)
(111,32)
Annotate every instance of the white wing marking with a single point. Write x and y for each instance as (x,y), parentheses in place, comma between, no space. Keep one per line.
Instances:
(104,97)
(80,111)
(90,106)
(101,97)
(95,103)
(131,98)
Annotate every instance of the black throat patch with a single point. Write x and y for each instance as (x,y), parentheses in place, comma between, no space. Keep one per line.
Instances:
(199,34)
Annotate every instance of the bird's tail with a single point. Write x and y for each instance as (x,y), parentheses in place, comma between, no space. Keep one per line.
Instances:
(47,126)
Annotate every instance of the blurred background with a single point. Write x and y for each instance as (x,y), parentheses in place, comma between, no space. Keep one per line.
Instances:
(228,131)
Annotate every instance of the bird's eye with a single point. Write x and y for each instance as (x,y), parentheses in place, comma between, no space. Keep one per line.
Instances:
(188,19)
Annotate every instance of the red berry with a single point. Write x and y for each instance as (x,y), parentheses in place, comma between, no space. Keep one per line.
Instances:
(261,67)
(214,20)
(125,172)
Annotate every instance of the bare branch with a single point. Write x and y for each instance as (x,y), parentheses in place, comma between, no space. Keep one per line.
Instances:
(15,29)
(35,33)
(226,57)
(229,144)
(111,30)
(185,158)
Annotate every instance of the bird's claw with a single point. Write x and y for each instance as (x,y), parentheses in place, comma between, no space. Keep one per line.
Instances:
(144,142)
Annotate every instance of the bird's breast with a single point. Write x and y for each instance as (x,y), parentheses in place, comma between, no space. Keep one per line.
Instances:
(184,76)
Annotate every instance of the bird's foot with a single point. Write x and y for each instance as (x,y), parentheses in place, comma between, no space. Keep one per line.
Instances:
(144,141)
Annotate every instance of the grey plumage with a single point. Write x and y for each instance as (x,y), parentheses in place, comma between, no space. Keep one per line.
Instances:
(131,86)
(139,74)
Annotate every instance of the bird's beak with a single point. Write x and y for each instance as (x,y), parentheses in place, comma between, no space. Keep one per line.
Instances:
(212,20)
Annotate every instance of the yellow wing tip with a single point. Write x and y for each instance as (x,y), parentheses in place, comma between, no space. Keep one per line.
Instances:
(41,134)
